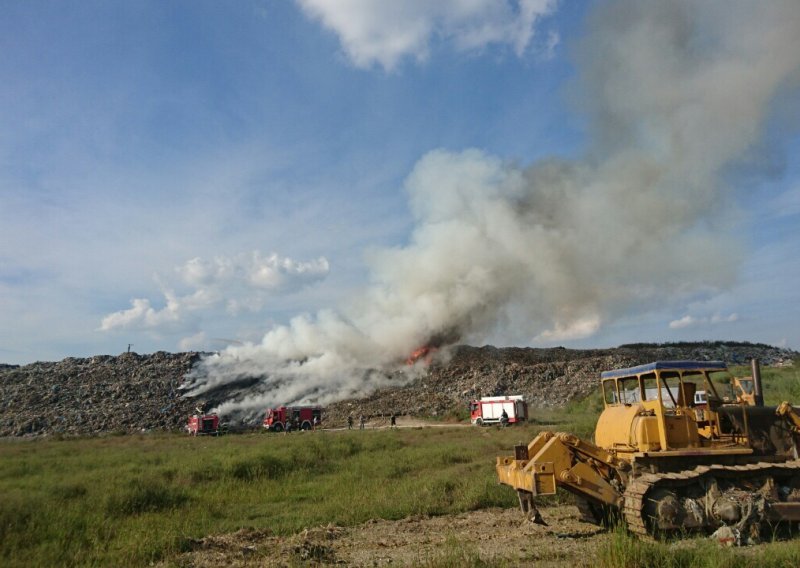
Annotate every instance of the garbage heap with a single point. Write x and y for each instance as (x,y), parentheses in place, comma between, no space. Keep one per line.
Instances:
(96,395)
(133,393)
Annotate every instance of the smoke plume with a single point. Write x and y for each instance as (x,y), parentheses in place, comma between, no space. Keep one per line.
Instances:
(674,94)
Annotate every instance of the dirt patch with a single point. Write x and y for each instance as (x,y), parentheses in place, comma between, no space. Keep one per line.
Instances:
(491,534)
(384,423)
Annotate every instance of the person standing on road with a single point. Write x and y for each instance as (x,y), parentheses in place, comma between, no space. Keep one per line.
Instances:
(393,421)
(350,422)
(361,422)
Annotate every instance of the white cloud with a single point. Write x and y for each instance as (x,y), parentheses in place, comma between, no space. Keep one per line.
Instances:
(582,328)
(273,272)
(685,321)
(240,283)
(690,321)
(372,31)
(142,315)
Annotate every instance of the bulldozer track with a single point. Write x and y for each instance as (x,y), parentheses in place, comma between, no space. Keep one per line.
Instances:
(635,496)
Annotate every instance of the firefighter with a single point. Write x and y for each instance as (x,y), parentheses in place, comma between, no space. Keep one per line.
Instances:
(361,421)
(393,421)
(350,422)
(316,423)
(504,418)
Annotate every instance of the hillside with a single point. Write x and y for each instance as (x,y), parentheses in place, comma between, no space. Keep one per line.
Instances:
(130,392)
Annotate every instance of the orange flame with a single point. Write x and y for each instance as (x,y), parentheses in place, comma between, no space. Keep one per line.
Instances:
(424,353)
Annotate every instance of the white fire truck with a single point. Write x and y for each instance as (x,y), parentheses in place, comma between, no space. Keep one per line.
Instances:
(489,409)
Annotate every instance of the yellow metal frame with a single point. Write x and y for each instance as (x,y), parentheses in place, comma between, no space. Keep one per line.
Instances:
(562,460)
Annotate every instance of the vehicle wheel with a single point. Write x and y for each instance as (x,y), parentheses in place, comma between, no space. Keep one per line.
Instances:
(479,422)
(306,425)
(278,427)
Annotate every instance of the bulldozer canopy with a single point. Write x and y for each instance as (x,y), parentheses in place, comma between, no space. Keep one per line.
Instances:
(661,365)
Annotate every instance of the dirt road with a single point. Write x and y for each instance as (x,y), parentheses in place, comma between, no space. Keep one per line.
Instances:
(383,423)
(491,534)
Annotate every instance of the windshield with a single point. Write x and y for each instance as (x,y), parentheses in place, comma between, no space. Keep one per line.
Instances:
(610,391)
(629,390)
(722,384)
(670,388)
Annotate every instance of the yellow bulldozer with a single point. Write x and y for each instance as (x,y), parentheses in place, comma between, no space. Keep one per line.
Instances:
(662,466)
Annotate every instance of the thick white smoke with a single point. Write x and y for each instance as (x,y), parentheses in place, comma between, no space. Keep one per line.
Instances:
(674,93)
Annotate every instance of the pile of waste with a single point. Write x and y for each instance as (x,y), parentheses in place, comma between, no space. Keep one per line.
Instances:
(134,393)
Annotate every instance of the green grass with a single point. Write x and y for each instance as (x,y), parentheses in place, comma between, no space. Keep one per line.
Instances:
(138,499)
(625,551)
(779,383)
(459,554)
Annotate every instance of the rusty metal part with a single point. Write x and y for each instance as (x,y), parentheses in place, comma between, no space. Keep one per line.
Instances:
(758,393)
(528,506)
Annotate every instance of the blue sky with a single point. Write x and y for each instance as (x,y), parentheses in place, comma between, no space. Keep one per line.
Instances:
(190,175)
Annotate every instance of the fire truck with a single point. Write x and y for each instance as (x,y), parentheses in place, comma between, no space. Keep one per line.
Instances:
(489,409)
(292,418)
(203,424)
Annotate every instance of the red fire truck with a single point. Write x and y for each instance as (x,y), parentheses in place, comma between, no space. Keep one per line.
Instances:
(203,424)
(489,409)
(292,418)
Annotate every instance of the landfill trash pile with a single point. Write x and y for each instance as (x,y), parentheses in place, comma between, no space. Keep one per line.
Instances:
(132,393)
(96,395)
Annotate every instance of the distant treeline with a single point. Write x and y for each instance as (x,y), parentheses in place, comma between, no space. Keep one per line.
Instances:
(697,344)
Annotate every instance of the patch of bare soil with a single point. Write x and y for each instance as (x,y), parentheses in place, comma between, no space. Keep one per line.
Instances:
(501,535)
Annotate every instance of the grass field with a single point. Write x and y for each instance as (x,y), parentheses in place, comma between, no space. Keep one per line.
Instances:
(132,500)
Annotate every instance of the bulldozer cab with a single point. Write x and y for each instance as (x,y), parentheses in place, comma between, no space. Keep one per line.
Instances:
(653,407)
(673,384)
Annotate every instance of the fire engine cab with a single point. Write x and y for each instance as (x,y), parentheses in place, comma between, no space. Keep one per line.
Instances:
(292,417)
(489,409)
(203,424)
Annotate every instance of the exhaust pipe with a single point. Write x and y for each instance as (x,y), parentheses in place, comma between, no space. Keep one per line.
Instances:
(758,392)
